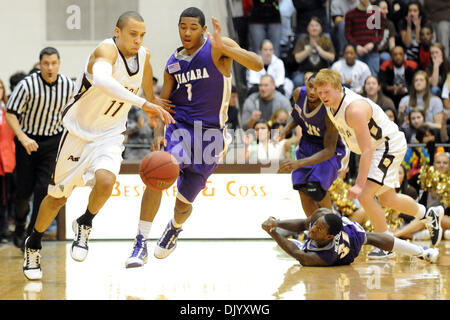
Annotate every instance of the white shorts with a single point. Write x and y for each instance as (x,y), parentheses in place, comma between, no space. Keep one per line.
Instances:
(386,161)
(78,160)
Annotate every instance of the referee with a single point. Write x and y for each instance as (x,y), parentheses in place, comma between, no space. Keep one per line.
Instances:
(34,112)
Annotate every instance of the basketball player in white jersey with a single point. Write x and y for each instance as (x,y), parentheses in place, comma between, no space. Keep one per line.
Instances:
(366,130)
(90,152)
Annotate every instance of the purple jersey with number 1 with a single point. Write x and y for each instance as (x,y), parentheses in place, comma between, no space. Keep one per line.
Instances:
(201,99)
(311,142)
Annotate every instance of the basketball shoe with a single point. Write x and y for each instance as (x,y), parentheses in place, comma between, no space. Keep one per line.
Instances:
(433,219)
(139,255)
(32,263)
(378,253)
(168,241)
(430,254)
(79,249)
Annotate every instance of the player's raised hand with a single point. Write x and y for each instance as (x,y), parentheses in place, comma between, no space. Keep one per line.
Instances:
(216,38)
(154,112)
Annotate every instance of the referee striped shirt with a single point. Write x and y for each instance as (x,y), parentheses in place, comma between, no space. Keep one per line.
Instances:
(38,104)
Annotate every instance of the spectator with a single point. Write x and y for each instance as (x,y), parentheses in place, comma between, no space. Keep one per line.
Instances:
(416,118)
(425,134)
(426,40)
(372,90)
(338,10)
(34,114)
(390,32)
(306,9)
(420,97)
(279,117)
(287,9)
(392,115)
(7,165)
(240,10)
(396,75)
(139,135)
(262,104)
(273,66)
(397,10)
(439,13)
(233,121)
(366,37)
(312,52)
(267,149)
(277,123)
(410,27)
(353,72)
(265,23)
(438,68)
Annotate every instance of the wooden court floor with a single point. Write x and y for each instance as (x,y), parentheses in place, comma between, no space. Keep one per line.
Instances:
(219,270)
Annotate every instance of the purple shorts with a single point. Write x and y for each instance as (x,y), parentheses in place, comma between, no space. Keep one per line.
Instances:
(196,151)
(324,172)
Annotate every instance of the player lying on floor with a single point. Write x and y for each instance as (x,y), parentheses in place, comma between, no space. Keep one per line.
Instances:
(334,240)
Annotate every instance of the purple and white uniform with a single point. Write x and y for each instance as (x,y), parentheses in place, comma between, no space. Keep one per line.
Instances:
(343,249)
(201,104)
(313,133)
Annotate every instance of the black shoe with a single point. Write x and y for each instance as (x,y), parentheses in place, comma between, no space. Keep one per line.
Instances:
(377,253)
(433,219)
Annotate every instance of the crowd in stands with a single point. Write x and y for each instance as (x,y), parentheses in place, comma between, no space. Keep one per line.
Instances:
(394,52)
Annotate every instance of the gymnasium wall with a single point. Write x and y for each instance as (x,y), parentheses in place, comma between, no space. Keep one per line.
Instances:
(24,23)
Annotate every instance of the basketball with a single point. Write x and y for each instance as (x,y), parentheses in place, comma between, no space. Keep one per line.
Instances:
(159,170)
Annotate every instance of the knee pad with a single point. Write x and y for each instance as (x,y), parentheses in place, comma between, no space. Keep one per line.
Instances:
(315,191)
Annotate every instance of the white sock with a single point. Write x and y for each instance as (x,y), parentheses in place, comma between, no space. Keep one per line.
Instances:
(144,228)
(175,224)
(410,249)
(421,213)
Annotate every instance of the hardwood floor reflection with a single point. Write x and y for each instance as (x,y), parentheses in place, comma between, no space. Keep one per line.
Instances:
(216,269)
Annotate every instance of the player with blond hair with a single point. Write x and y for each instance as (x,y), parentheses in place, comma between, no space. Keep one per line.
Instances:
(367,131)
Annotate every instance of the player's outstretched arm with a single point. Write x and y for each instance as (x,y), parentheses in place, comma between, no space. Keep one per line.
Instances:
(231,49)
(287,129)
(147,87)
(305,258)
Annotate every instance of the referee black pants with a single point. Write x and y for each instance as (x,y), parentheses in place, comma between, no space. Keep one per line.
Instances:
(33,177)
